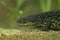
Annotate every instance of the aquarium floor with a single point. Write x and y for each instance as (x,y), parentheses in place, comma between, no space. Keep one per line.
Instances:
(14,34)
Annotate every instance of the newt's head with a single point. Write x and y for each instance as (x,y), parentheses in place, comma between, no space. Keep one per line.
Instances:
(28,20)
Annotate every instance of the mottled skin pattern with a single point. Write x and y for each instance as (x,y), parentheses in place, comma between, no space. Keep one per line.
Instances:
(44,21)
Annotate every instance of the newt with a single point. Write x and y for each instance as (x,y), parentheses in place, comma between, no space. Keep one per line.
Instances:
(44,21)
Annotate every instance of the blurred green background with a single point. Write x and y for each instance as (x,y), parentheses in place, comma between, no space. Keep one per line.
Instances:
(11,10)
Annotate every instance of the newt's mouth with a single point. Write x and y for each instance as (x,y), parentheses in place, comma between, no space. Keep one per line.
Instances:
(25,24)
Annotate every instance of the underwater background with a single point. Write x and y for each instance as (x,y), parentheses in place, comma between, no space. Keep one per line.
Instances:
(11,10)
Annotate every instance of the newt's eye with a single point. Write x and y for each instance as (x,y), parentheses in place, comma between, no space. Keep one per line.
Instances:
(23,19)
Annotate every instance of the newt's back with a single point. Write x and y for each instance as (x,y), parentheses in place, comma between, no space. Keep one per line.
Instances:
(43,21)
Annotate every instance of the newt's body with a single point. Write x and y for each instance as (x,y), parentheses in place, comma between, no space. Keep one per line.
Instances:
(43,21)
